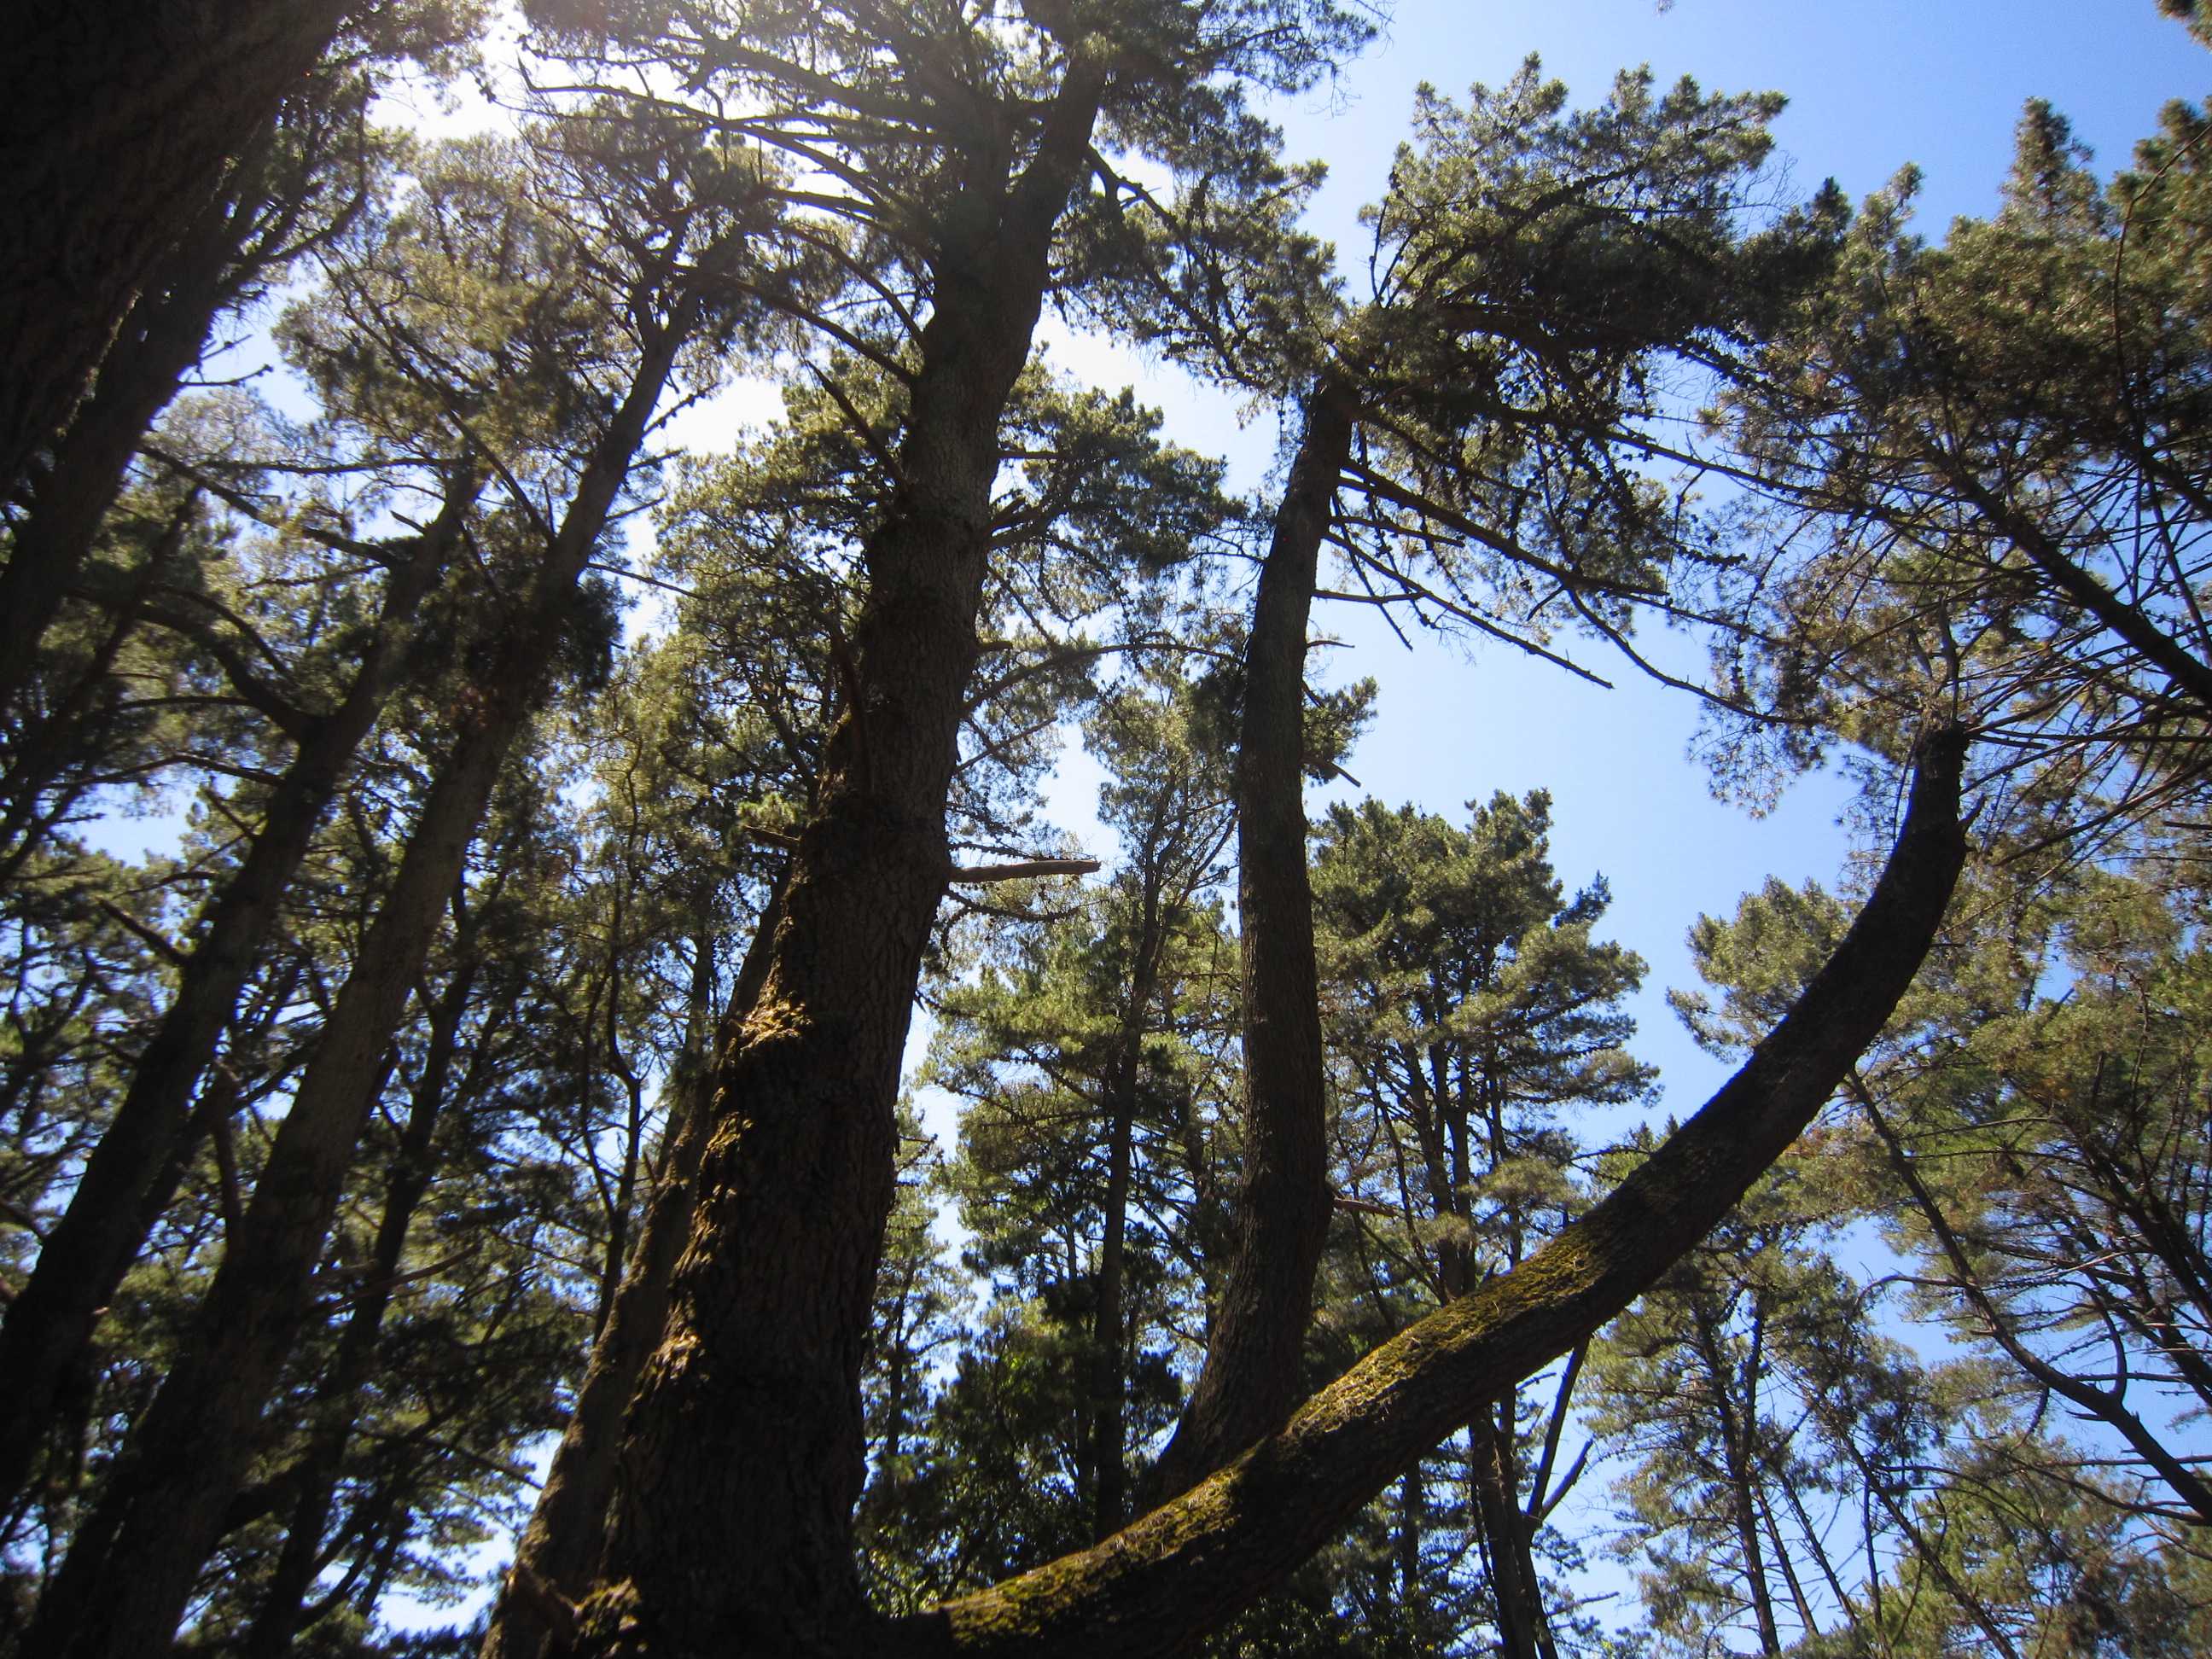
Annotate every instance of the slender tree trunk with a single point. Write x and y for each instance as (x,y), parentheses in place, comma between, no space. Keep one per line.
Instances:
(743,1452)
(1110,1337)
(1514,1590)
(130,1571)
(116,119)
(613,1264)
(1409,1538)
(1167,1578)
(1447,1197)
(45,746)
(1109,1332)
(2189,673)
(559,1548)
(339,1398)
(1801,1603)
(84,1258)
(1881,1489)
(690,1082)
(2107,1404)
(160,339)
(1737,1428)
(1254,1350)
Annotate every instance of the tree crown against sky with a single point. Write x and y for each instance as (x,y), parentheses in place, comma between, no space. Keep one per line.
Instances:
(505,1064)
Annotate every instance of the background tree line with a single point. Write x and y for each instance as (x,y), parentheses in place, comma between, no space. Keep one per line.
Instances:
(503,1064)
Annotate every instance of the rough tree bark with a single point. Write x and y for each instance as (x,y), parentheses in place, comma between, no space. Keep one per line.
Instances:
(742,1459)
(116,119)
(1254,1350)
(559,1548)
(130,1570)
(1166,1579)
(84,1257)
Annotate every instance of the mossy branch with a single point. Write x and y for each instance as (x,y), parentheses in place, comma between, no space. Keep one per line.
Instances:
(1167,1578)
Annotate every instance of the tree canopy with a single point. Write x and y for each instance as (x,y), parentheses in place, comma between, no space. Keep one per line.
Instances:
(611,1114)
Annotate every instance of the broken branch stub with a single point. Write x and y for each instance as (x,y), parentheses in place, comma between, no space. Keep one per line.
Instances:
(1028,870)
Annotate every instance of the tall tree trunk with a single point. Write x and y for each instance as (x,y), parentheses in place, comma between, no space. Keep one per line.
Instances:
(1109,1334)
(1168,1577)
(130,1571)
(559,1548)
(160,339)
(743,1453)
(1516,1593)
(1409,1537)
(339,1397)
(1109,1329)
(613,1264)
(1254,1352)
(1737,1427)
(84,1257)
(45,746)
(116,119)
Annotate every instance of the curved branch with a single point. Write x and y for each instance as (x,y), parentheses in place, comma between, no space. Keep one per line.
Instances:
(1184,1568)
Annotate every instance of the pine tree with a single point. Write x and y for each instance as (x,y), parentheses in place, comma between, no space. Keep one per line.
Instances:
(190,1449)
(120,124)
(1471,1009)
(520,1017)
(1094,1052)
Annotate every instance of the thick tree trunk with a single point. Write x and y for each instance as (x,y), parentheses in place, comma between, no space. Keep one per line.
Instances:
(743,1454)
(559,1548)
(161,337)
(83,1259)
(116,119)
(130,1571)
(1254,1352)
(340,1396)
(1168,1577)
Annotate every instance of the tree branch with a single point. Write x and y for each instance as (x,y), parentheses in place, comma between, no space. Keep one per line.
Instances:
(1184,1569)
(1028,870)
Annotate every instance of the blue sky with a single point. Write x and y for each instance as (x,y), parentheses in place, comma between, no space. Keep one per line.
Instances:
(1872,86)
(1872,83)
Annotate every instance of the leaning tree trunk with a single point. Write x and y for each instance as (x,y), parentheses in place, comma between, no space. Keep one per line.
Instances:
(742,1457)
(1165,1580)
(340,1395)
(83,1259)
(1254,1350)
(116,119)
(130,1571)
(161,339)
(558,1549)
